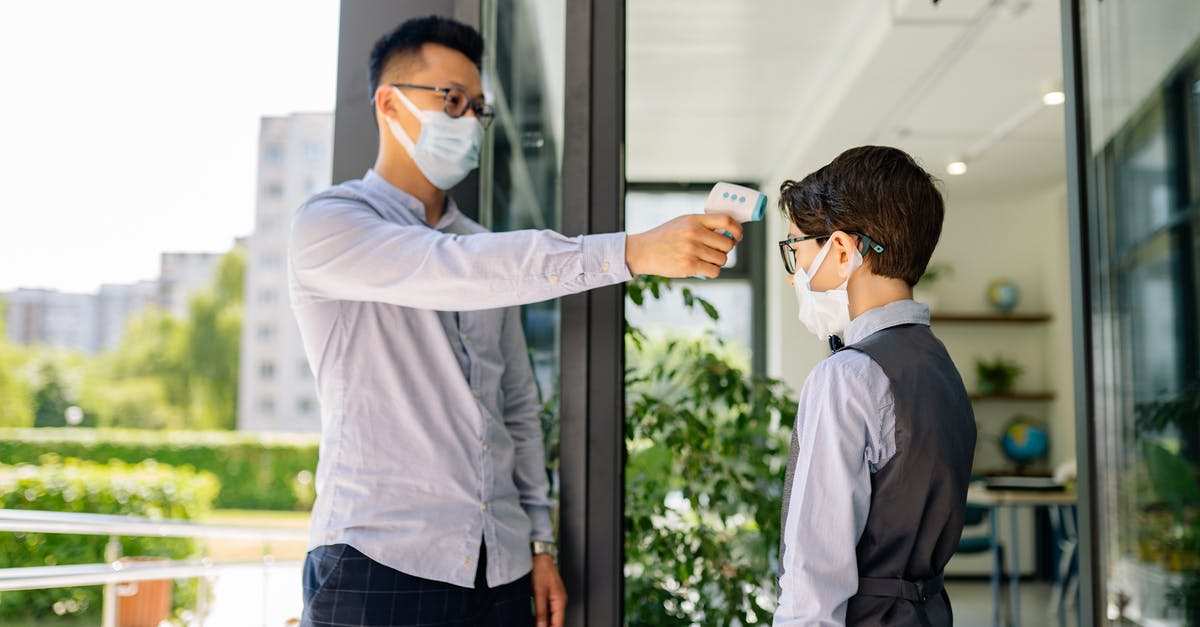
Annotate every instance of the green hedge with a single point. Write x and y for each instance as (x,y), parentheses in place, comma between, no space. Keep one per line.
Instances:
(256,470)
(145,489)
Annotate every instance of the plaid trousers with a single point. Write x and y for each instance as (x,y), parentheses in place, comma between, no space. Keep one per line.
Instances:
(344,588)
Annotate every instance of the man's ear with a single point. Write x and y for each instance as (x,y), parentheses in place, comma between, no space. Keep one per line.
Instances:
(386,101)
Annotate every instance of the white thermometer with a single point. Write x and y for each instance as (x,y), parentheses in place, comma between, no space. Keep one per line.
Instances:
(740,203)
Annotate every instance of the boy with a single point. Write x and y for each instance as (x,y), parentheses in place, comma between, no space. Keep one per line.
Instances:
(884,438)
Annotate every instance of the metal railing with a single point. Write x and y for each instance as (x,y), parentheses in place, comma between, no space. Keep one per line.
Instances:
(114,571)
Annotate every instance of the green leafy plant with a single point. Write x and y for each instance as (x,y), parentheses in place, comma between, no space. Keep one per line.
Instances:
(935,272)
(1168,529)
(145,489)
(707,446)
(256,470)
(998,375)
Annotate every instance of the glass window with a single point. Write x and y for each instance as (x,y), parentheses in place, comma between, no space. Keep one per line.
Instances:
(732,297)
(521,168)
(1145,353)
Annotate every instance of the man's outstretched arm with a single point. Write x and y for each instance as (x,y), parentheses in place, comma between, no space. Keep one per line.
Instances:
(342,250)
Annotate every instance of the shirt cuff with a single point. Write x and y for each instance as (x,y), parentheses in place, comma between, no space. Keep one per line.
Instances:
(605,255)
(542,529)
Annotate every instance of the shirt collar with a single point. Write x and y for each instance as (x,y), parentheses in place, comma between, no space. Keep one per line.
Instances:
(398,199)
(890,315)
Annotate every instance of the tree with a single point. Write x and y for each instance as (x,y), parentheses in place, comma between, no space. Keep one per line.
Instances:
(212,344)
(16,398)
(707,445)
(172,373)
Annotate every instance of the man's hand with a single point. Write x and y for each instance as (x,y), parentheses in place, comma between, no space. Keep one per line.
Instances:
(690,245)
(549,594)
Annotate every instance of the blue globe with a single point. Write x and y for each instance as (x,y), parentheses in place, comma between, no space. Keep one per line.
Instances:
(1024,440)
(1003,295)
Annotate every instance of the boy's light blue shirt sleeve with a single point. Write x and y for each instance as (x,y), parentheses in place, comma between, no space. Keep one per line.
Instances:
(844,432)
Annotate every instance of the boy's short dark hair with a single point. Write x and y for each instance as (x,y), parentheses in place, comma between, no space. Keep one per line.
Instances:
(879,191)
(406,41)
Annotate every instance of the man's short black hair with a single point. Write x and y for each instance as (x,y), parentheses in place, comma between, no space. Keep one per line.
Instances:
(879,191)
(407,39)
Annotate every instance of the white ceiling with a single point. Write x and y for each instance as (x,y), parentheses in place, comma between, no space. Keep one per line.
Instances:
(763,90)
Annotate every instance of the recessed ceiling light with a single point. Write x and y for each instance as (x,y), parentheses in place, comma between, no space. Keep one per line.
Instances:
(955,168)
(1052,98)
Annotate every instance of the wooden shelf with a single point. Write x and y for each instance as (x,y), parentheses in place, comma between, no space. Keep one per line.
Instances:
(988,318)
(1013,396)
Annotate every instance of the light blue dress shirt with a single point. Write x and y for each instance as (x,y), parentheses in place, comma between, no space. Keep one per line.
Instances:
(430,437)
(845,431)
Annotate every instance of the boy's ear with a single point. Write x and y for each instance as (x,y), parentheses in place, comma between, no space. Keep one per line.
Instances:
(843,248)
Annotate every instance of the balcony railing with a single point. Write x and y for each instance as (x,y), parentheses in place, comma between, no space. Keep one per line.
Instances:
(114,571)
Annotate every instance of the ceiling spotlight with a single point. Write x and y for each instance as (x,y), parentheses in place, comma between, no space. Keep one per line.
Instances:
(955,168)
(1052,98)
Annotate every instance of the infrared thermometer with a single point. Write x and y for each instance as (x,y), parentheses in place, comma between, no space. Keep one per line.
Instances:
(740,203)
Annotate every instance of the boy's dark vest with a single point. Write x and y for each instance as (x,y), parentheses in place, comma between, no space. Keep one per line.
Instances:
(918,498)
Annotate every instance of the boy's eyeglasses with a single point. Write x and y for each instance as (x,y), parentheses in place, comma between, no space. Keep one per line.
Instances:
(455,102)
(866,245)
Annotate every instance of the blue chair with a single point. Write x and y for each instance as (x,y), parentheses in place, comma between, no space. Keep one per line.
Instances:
(1063,521)
(975,516)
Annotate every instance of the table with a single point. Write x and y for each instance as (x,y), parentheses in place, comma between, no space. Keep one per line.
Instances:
(1012,499)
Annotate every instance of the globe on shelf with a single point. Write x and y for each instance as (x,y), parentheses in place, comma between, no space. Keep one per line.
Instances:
(1003,295)
(1024,440)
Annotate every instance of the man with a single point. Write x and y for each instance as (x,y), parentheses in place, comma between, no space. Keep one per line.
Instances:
(432,503)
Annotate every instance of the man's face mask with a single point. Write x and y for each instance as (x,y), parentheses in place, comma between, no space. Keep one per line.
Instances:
(447,148)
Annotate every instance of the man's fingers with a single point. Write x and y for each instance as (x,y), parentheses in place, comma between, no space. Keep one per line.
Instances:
(721,222)
(558,608)
(541,603)
(708,255)
(709,270)
(715,240)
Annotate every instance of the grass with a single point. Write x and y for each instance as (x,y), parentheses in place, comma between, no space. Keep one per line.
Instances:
(237,549)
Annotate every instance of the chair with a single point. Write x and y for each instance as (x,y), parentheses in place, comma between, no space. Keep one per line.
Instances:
(975,516)
(1063,521)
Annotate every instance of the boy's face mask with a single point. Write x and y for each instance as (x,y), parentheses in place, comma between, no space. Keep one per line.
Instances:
(824,313)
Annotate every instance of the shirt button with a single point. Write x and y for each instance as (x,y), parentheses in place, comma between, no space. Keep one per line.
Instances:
(554,278)
(476,393)
(604,266)
(485,448)
(468,561)
(463,337)
(483,507)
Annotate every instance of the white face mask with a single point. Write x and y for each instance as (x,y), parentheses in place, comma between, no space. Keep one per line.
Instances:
(446,150)
(824,313)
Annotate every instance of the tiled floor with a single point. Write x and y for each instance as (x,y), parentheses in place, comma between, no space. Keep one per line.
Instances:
(972,602)
(245,598)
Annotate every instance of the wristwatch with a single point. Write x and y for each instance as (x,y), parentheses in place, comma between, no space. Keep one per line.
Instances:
(545,548)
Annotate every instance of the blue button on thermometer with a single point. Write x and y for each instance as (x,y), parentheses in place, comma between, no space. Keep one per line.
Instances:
(740,203)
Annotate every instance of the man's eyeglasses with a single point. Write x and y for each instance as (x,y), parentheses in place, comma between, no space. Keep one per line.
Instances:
(455,102)
(866,245)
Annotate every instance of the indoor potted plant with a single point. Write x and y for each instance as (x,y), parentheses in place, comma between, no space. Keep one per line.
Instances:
(997,376)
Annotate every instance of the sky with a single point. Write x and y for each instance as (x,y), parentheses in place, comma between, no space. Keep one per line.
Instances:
(129,128)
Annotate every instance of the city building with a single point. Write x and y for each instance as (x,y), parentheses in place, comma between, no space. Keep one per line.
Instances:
(40,317)
(96,322)
(276,390)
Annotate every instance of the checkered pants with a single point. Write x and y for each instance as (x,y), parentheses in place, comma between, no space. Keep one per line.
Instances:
(344,588)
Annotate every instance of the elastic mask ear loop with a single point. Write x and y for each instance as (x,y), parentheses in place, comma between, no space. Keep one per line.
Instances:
(398,130)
